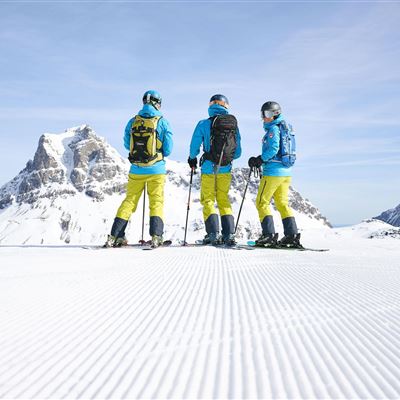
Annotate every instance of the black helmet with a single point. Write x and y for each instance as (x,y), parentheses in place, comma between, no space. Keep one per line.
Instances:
(270,109)
(152,97)
(220,99)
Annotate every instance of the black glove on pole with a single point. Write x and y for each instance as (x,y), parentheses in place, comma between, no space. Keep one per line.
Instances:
(188,203)
(255,162)
(192,162)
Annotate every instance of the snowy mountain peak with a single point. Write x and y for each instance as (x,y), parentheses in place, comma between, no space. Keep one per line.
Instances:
(74,161)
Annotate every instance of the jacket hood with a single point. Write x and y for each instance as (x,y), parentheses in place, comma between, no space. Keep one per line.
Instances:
(216,109)
(149,110)
(268,125)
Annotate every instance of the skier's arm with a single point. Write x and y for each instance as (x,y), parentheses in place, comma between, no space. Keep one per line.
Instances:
(127,135)
(167,137)
(270,144)
(197,140)
(238,151)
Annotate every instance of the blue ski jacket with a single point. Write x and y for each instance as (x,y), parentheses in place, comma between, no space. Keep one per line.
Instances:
(201,137)
(164,134)
(270,149)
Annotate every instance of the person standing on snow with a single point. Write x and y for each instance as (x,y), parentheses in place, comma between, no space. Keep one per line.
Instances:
(220,138)
(148,138)
(277,176)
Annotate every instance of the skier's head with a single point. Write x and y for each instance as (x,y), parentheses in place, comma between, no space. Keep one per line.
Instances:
(270,111)
(219,99)
(152,97)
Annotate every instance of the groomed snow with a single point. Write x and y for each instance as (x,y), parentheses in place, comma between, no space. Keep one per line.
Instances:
(202,322)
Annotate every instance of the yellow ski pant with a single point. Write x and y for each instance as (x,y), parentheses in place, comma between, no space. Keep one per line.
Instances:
(276,187)
(211,192)
(134,189)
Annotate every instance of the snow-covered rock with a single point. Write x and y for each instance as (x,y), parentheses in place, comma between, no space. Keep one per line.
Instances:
(369,229)
(70,191)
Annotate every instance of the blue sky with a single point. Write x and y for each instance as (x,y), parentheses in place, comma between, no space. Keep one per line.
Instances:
(333,66)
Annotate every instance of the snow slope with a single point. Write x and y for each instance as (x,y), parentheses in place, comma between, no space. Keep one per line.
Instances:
(202,322)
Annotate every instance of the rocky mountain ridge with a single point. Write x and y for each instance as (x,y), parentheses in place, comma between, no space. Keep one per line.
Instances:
(391,216)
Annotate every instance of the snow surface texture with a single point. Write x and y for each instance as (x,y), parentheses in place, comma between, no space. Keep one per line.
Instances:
(71,190)
(203,322)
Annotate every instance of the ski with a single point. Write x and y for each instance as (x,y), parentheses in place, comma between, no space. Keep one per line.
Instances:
(148,246)
(252,243)
(145,245)
(199,243)
(101,247)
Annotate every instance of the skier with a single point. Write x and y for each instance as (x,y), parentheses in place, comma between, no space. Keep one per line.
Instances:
(275,181)
(148,138)
(220,138)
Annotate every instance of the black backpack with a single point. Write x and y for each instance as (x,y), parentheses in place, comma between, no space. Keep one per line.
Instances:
(222,140)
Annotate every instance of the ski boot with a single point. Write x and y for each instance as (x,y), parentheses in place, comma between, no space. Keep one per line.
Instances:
(113,241)
(212,238)
(291,241)
(156,241)
(229,240)
(267,240)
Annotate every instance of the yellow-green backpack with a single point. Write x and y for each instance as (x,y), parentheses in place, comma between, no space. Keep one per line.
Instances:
(145,147)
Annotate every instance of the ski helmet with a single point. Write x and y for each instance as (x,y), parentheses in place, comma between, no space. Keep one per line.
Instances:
(219,99)
(270,109)
(152,97)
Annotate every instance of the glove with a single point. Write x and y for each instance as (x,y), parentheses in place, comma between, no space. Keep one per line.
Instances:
(255,162)
(192,162)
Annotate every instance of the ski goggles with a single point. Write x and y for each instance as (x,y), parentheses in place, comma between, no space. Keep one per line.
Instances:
(268,114)
(219,102)
(156,105)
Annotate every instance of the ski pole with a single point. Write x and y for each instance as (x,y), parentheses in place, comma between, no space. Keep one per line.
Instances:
(244,195)
(188,204)
(144,209)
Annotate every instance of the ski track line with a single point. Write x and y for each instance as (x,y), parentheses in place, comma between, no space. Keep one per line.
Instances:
(75,327)
(189,341)
(47,328)
(209,323)
(121,354)
(166,326)
(195,378)
(157,330)
(366,364)
(65,347)
(120,333)
(254,291)
(371,389)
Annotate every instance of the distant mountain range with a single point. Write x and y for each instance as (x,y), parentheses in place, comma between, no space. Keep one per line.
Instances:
(70,191)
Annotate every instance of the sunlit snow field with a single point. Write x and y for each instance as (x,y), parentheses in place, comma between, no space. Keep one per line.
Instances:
(202,322)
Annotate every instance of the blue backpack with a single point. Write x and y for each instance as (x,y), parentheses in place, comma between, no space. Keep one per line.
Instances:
(287,146)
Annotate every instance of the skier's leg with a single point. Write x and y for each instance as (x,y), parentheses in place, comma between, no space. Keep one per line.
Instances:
(155,190)
(265,193)
(266,190)
(281,197)
(224,206)
(134,190)
(207,200)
